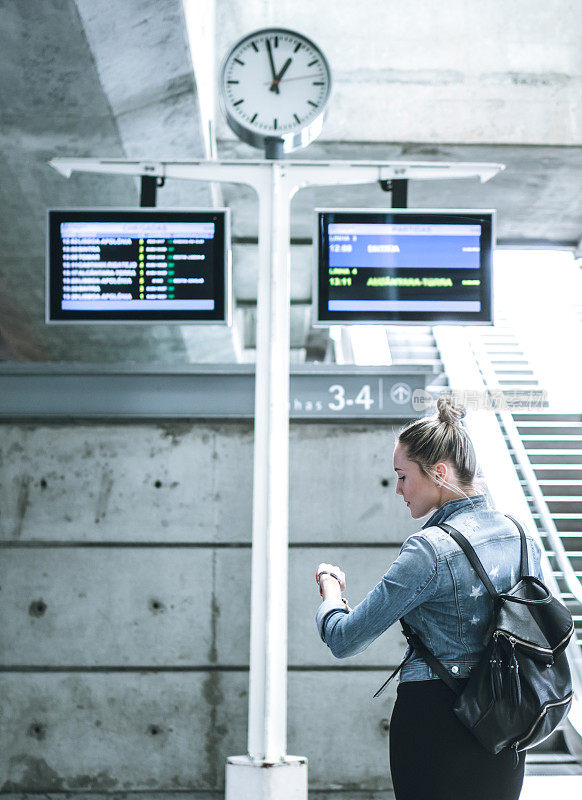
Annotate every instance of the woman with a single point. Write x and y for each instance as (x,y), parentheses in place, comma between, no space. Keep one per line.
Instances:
(433,587)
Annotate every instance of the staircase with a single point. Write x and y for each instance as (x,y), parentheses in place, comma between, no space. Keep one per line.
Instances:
(552,443)
(415,344)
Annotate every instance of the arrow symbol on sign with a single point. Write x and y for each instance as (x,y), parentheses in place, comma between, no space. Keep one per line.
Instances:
(400,393)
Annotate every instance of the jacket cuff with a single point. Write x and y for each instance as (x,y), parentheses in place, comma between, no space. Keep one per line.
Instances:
(325,610)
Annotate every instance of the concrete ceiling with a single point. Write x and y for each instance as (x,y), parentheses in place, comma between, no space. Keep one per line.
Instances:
(413,80)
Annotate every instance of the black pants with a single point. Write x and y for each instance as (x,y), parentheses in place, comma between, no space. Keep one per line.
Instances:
(434,757)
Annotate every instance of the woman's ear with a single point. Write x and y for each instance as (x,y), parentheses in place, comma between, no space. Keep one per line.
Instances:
(440,472)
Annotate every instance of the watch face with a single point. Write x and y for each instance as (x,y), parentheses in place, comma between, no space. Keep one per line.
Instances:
(274,82)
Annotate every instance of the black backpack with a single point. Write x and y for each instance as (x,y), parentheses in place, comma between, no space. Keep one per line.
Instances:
(522,688)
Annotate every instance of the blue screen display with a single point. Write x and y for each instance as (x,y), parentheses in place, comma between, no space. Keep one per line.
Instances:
(366,246)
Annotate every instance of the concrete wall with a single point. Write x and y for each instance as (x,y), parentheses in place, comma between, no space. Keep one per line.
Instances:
(125,593)
(486,71)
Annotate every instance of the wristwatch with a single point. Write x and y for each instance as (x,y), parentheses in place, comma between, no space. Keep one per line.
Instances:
(333,575)
(325,572)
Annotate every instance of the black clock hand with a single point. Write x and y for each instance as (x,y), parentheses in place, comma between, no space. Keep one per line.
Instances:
(274,85)
(284,70)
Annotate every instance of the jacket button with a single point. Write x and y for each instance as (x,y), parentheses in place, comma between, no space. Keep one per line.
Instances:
(455,669)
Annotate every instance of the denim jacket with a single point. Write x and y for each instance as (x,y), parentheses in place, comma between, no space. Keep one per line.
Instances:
(434,588)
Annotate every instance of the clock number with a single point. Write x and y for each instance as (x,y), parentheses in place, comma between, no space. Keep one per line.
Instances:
(364,398)
(340,397)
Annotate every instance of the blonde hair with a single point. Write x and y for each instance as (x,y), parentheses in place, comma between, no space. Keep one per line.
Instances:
(442,437)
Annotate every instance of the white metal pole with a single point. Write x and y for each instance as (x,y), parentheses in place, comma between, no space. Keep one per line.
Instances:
(267,733)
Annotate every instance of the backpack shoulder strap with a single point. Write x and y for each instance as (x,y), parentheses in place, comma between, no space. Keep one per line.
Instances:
(523,562)
(469,551)
(437,666)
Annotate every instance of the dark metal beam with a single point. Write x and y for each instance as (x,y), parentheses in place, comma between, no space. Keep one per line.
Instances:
(149,188)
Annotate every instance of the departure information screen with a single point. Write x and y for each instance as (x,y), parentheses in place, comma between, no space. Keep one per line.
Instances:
(138,265)
(404,266)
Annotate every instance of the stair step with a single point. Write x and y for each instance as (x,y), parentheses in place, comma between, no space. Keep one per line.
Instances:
(571,540)
(563,504)
(506,352)
(574,556)
(558,488)
(558,471)
(508,361)
(561,500)
(557,429)
(559,780)
(417,353)
(571,603)
(556,457)
(505,383)
(546,417)
(577,572)
(567,440)
(404,361)
(550,758)
(525,370)
(568,523)
(503,342)
(549,424)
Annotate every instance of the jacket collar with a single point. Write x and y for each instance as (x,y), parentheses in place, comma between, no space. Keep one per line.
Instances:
(475,503)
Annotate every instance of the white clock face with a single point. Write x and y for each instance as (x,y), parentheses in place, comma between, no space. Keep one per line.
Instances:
(275,82)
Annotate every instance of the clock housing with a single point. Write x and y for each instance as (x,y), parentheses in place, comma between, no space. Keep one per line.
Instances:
(275,85)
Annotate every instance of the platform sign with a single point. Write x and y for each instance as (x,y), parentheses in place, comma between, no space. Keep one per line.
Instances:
(356,396)
(90,391)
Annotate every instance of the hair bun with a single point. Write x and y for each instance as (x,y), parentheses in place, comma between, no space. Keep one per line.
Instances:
(449,411)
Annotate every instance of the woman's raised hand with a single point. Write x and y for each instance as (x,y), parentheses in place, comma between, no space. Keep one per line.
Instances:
(323,567)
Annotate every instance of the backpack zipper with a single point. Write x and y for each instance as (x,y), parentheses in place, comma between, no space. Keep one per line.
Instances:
(519,742)
(550,651)
(513,639)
